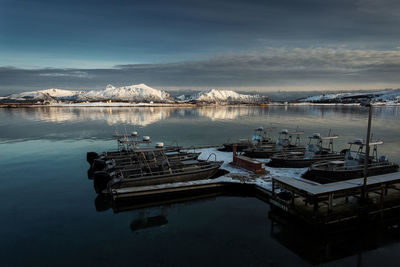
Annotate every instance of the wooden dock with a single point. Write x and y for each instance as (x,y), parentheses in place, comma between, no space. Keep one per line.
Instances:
(336,202)
(313,203)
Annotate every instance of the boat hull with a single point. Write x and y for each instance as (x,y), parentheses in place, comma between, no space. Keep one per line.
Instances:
(239,147)
(200,174)
(329,176)
(297,162)
(267,153)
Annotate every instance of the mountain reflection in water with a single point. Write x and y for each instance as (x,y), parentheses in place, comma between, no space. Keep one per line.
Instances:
(144,116)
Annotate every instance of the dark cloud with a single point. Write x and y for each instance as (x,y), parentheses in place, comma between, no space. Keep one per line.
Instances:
(269,68)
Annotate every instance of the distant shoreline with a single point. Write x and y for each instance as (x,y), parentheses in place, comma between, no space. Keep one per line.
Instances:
(124,104)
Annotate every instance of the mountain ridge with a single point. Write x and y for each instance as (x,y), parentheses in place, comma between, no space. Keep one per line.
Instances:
(132,93)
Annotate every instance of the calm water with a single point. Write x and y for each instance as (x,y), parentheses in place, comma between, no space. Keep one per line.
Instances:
(49,216)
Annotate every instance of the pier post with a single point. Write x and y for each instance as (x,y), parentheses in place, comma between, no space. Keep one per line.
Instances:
(292,202)
(330,203)
(273,187)
(315,206)
(382,198)
(364,188)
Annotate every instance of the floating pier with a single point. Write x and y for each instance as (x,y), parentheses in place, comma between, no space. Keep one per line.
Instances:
(336,202)
(287,193)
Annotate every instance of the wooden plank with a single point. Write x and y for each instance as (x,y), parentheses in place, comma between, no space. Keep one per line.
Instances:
(320,189)
(146,191)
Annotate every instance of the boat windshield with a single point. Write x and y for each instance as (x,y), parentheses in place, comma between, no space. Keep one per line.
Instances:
(313,148)
(256,138)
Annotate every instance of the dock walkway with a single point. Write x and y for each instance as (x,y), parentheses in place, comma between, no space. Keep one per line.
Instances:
(339,201)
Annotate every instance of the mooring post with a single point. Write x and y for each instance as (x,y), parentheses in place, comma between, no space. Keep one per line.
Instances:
(366,160)
(382,198)
(273,187)
(292,202)
(315,205)
(330,203)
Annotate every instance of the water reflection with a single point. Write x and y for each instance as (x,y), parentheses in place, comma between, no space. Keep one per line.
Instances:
(207,125)
(343,245)
(144,116)
(318,247)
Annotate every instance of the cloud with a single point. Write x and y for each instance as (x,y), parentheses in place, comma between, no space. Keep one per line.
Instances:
(383,8)
(72,73)
(271,67)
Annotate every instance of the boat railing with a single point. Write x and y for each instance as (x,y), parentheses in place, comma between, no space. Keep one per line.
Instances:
(153,165)
(352,167)
(212,154)
(171,171)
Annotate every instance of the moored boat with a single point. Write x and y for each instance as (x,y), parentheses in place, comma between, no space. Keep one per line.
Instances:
(352,166)
(133,158)
(260,136)
(283,144)
(154,167)
(315,151)
(189,171)
(128,144)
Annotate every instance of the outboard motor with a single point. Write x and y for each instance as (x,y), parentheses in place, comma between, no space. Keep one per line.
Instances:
(100,181)
(98,165)
(91,156)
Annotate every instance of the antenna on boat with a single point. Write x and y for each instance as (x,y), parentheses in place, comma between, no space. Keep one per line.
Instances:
(126,133)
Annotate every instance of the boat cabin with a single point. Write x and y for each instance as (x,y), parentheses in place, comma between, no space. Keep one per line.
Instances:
(357,156)
(315,145)
(285,139)
(261,135)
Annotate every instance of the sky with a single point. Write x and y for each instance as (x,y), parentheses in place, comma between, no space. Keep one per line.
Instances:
(248,45)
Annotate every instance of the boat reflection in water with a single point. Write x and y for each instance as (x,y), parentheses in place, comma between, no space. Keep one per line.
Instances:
(148,222)
(323,246)
(150,214)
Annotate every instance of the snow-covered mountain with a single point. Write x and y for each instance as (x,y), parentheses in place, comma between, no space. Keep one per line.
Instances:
(47,94)
(133,93)
(140,92)
(218,96)
(384,97)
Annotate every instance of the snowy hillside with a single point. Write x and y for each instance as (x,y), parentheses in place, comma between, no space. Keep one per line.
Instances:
(47,94)
(379,97)
(140,92)
(213,96)
(133,93)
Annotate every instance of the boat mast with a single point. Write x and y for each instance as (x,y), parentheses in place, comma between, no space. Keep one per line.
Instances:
(364,195)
